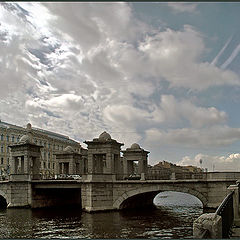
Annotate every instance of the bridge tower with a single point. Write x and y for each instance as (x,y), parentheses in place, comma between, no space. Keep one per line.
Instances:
(70,162)
(25,167)
(104,156)
(104,166)
(25,158)
(135,153)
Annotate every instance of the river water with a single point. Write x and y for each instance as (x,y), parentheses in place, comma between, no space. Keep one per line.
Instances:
(173,218)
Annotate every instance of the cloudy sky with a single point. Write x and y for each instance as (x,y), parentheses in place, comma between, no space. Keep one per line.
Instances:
(164,75)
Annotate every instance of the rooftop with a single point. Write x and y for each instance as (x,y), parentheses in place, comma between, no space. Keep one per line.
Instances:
(46,132)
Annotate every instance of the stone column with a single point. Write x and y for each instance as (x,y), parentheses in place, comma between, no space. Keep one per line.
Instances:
(90,162)
(24,160)
(109,162)
(125,168)
(140,166)
(173,176)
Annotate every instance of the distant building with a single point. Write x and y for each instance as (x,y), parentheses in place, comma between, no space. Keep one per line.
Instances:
(164,169)
(52,142)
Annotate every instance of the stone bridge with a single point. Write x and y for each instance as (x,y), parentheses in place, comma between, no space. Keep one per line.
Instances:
(102,186)
(103,192)
(116,195)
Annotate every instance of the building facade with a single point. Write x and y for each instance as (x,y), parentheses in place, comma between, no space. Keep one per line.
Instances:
(51,143)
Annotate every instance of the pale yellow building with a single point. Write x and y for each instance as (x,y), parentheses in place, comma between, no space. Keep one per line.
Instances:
(52,142)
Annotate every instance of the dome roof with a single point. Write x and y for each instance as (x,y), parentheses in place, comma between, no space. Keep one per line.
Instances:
(135,146)
(68,149)
(24,139)
(104,136)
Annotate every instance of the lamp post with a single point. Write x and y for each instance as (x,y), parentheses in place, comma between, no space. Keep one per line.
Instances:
(200,161)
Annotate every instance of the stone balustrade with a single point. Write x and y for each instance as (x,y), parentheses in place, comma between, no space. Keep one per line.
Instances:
(213,225)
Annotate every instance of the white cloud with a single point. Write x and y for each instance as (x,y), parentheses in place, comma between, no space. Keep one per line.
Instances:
(183,7)
(93,67)
(173,112)
(216,163)
(104,20)
(176,57)
(214,136)
(125,115)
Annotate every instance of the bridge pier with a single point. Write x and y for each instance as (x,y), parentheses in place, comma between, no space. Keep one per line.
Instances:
(97,196)
(25,167)
(20,195)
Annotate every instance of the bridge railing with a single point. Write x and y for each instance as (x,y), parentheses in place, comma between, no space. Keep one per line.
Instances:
(157,175)
(150,176)
(176,176)
(60,177)
(225,210)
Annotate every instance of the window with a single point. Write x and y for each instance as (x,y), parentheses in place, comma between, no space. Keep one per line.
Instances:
(49,155)
(49,145)
(1,149)
(13,138)
(44,165)
(1,137)
(1,160)
(35,141)
(7,138)
(53,165)
(49,165)
(18,138)
(7,149)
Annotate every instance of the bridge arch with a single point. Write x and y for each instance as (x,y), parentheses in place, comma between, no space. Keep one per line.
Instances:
(147,194)
(3,200)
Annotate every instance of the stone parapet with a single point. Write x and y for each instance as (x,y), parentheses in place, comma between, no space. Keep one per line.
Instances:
(99,177)
(19,177)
